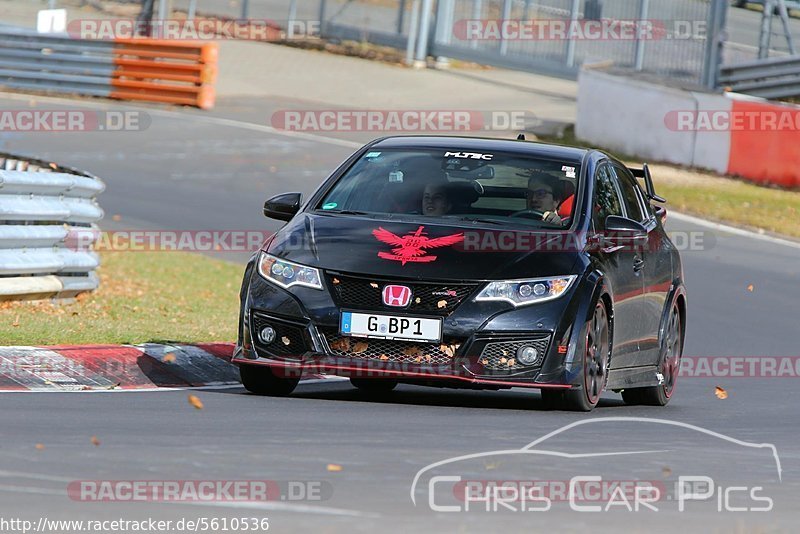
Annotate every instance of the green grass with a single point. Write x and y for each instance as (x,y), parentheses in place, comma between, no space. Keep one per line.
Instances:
(722,199)
(143,297)
(740,203)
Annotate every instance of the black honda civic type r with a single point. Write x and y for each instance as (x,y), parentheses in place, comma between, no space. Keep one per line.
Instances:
(467,262)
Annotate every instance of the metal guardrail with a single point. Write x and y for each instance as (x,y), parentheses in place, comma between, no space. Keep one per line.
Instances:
(777,77)
(43,206)
(790,4)
(143,69)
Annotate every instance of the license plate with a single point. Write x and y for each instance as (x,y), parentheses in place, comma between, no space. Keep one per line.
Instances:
(391,327)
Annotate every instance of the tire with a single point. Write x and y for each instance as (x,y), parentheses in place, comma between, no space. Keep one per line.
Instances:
(374,385)
(595,367)
(669,364)
(261,380)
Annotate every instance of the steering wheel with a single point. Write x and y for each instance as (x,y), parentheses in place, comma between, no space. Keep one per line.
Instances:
(529,214)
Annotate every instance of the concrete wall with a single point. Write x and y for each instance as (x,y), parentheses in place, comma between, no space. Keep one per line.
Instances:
(627,116)
(658,123)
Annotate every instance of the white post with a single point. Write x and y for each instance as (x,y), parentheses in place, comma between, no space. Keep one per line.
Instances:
(413,28)
(292,16)
(424,33)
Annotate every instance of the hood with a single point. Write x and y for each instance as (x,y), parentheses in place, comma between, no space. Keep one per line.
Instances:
(423,249)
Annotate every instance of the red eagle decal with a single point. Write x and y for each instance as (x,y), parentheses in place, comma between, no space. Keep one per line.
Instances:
(410,247)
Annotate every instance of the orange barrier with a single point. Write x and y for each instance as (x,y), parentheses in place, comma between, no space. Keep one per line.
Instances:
(156,70)
(767,155)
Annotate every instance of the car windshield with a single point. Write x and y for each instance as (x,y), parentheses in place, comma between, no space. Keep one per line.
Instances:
(500,188)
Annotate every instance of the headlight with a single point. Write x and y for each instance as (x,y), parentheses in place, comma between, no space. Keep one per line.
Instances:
(287,274)
(523,292)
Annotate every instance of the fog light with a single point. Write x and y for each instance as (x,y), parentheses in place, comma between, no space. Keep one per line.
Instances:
(267,335)
(527,355)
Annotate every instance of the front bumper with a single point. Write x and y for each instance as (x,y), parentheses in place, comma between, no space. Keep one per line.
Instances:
(478,349)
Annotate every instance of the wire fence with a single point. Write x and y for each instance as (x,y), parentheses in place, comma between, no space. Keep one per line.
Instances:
(678,51)
(692,38)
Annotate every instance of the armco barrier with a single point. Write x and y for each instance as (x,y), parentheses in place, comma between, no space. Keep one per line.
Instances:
(640,118)
(43,206)
(775,77)
(176,72)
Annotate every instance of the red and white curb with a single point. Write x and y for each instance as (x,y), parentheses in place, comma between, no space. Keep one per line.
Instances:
(121,367)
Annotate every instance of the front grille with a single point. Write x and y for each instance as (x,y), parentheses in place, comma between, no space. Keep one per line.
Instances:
(427,298)
(502,355)
(389,351)
(290,339)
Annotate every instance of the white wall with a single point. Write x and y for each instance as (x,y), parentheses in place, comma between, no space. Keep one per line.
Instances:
(638,118)
(712,150)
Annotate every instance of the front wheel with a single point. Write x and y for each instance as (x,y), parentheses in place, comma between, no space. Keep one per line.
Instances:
(262,380)
(595,367)
(668,367)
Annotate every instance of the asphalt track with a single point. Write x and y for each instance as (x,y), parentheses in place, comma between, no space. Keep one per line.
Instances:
(212,171)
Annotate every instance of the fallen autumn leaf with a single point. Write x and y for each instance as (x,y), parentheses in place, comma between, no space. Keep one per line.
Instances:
(196,402)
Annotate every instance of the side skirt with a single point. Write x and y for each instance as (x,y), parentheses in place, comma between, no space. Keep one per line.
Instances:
(633,377)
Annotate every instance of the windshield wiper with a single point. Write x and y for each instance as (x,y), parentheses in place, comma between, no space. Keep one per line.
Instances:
(482,221)
(345,212)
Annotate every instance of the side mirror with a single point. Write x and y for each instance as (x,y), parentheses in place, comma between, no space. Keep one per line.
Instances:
(624,230)
(283,207)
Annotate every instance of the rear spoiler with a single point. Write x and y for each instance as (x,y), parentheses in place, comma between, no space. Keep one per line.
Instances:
(650,190)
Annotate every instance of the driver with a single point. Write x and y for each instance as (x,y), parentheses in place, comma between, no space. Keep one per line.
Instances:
(435,200)
(545,194)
